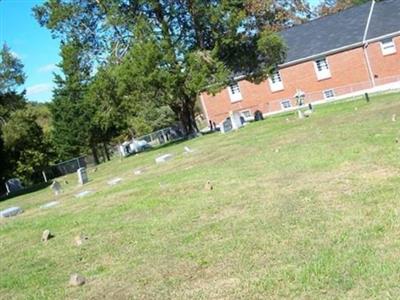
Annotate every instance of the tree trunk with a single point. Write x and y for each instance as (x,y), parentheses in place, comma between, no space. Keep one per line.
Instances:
(95,155)
(106,151)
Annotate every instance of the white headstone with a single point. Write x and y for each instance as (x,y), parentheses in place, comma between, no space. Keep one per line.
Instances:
(114,181)
(50,204)
(83,194)
(138,172)
(188,150)
(163,158)
(82,176)
(10,212)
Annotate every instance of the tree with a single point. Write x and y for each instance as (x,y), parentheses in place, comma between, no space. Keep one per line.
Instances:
(11,71)
(327,7)
(25,139)
(70,118)
(11,77)
(182,47)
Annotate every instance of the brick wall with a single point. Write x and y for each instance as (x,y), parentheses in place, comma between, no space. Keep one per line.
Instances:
(347,68)
(384,67)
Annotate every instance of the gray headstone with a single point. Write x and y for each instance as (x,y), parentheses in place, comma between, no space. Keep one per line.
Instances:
(56,187)
(14,185)
(82,176)
(10,212)
(114,181)
(227,125)
(163,158)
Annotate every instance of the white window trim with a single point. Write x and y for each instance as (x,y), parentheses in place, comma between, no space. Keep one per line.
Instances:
(329,90)
(237,96)
(324,74)
(283,107)
(246,110)
(389,51)
(277,86)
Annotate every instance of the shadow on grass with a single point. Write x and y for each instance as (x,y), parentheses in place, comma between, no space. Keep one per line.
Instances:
(27,190)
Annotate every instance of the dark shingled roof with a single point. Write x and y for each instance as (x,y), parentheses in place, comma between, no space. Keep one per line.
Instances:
(341,29)
(385,18)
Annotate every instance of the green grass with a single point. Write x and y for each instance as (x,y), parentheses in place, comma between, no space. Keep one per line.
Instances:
(300,209)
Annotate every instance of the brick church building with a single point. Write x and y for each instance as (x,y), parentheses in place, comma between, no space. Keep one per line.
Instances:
(337,56)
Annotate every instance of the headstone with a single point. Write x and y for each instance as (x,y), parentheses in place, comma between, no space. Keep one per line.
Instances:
(82,176)
(46,235)
(300,114)
(227,125)
(114,181)
(188,150)
(83,194)
(10,212)
(50,204)
(76,280)
(163,158)
(13,185)
(394,118)
(56,187)
(258,116)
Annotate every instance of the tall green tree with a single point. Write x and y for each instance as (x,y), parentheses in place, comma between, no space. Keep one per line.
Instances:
(70,118)
(24,137)
(11,78)
(195,45)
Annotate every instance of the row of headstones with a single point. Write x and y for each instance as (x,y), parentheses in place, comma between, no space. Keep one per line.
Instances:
(82,179)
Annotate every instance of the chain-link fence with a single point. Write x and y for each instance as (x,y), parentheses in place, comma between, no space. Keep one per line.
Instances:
(163,136)
(64,168)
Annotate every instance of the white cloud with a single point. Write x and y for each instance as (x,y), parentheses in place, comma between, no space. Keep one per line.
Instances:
(47,68)
(38,89)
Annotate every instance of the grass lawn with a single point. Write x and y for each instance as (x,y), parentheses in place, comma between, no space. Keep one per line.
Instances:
(300,209)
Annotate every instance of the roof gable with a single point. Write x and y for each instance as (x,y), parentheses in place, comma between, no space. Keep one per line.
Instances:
(340,30)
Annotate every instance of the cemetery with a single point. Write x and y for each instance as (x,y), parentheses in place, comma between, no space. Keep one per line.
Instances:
(288,207)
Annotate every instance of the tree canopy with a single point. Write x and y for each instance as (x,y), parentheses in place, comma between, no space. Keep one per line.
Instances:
(172,50)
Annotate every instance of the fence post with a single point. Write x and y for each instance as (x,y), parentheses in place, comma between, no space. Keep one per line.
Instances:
(367,97)
(44,176)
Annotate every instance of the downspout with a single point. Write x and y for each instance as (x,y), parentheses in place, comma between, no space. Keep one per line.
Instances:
(365,46)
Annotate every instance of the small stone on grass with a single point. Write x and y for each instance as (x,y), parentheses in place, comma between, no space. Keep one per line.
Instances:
(46,235)
(208,186)
(80,239)
(76,280)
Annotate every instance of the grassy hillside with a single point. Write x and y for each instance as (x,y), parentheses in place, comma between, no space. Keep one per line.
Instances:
(300,209)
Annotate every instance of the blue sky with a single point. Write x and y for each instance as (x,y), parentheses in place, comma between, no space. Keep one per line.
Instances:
(33,45)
